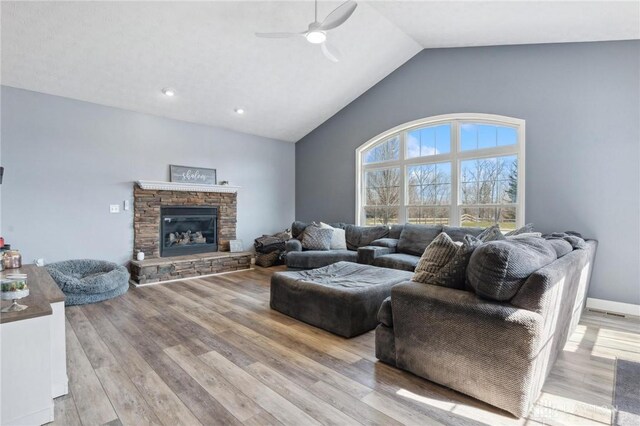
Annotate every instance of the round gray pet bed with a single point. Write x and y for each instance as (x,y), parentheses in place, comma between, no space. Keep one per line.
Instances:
(89,281)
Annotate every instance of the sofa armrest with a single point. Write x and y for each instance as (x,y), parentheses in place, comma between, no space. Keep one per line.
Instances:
(293,245)
(391,243)
(367,254)
(486,349)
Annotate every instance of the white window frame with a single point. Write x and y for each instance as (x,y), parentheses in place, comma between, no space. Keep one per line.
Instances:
(455,156)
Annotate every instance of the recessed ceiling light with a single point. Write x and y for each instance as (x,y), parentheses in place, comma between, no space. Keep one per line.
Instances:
(239,111)
(169,91)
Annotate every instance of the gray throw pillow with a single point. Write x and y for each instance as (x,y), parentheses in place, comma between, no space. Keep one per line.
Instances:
(524,230)
(492,233)
(498,269)
(453,274)
(437,254)
(316,238)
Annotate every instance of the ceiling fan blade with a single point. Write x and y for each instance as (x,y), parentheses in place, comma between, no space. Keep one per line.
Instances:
(278,35)
(339,15)
(331,52)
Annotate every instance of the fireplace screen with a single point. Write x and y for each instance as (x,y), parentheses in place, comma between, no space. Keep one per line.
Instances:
(188,230)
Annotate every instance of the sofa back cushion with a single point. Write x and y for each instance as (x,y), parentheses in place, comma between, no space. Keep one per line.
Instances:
(360,236)
(498,269)
(395,231)
(457,233)
(414,239)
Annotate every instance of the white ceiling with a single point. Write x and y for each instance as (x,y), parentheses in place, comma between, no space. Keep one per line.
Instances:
(123,53)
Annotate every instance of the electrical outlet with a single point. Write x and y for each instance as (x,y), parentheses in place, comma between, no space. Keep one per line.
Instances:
(114,208)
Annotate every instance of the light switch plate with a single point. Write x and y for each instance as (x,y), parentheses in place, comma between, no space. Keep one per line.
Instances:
(114,208)
(126,204)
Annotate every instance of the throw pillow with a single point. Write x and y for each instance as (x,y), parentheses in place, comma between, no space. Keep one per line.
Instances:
(524,230)
(492,233)
(338,239)
(437,254)
(498,269)
(453,274)
(316,238)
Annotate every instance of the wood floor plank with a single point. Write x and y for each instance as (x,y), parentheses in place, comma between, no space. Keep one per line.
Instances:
(165,404)
(65,412)
(91,401)
(397,411)
(125,397)
(280,408)
(242,407)
(96,350)
(317,408)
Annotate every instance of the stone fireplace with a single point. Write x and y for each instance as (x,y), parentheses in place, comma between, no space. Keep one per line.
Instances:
(184,231)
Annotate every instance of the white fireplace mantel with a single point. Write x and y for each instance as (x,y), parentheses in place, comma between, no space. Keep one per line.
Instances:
(185,187)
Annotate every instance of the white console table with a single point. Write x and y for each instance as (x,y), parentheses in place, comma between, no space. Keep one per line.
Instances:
(33,352)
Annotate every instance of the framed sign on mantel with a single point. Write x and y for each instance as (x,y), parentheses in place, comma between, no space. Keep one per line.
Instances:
(199,175)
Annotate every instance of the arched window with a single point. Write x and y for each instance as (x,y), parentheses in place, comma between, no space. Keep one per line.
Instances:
(455,169)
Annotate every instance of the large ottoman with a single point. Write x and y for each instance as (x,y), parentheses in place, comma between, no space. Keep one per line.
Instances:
(342,298)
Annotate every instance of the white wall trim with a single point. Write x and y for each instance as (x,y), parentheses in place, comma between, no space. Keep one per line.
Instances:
(613,307)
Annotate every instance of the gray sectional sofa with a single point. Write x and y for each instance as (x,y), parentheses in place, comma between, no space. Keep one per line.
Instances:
(395,246)
(497,351)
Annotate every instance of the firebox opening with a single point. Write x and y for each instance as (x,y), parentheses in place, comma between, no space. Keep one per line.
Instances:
(188,230)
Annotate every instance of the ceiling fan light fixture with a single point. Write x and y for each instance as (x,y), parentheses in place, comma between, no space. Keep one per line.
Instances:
(316,37)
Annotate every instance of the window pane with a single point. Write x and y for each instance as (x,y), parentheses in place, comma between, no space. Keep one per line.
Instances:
(428,215)
(480,136)
(489,180)
(427,141)
(487,216)
(382,187)
(381,215)
(429,184)
(385,151)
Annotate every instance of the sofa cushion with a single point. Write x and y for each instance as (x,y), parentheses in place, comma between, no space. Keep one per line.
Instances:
(561,247)
(395,231)
(360,236)
(437,254)
(498,269)
(492,233)
(414,239)
(318,259)
(457,233)
(338,241)
(384,314)
(453,274)
(402,261)
(523,230)
(316,238)
(385,242)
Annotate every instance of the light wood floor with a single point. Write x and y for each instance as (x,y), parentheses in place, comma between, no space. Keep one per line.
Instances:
(210,351)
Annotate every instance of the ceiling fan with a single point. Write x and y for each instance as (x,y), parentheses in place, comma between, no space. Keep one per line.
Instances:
(317,31)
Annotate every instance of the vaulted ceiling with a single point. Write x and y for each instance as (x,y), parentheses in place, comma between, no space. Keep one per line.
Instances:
(122,54)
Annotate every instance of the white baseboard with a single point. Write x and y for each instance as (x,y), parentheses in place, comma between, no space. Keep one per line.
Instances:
(613,307)
(135,284)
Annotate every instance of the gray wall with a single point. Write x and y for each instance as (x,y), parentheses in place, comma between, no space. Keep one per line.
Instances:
(581,105)
(66,161)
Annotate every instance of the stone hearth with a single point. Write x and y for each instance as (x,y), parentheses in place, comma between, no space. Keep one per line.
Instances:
(146,226)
